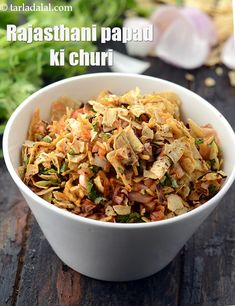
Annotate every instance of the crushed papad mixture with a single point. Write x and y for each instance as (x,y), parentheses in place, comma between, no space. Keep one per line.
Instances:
(123,159)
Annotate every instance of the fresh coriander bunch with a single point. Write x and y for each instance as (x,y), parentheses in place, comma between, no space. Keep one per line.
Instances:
(25,67)
(106,13)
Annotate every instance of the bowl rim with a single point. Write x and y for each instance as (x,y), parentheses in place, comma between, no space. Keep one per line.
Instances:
(63,213)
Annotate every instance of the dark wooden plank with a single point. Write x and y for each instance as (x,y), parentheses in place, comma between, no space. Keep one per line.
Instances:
(221,96)
(209,260)
(159,289)
(45,279)
(13,225)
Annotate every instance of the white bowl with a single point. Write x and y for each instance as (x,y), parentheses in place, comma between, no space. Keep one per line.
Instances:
(108,251)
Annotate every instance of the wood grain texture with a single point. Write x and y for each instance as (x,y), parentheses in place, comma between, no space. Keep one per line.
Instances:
(159,289)
(203,274)
(45,279)
(209,259)
(13,223)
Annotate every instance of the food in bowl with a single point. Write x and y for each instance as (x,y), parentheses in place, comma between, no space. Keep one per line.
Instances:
(122,158)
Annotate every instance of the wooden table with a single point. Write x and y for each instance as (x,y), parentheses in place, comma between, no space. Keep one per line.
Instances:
(202,274)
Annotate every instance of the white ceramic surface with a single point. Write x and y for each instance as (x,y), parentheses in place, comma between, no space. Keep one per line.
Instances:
(107,251)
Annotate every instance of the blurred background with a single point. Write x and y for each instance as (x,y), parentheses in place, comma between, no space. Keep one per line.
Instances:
(188,34)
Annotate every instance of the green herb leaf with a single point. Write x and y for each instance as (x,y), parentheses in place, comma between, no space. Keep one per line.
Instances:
(63,167)
(104,13)
(100,200)
(95,126)
(211,163)
(47,139)
(94,168)
(91,191)
(122,219)
(166,181)
(212,189)
(131,218)
(48,171)
(169,181)
(199,141)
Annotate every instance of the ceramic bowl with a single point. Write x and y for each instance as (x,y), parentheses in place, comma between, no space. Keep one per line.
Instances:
(109,251)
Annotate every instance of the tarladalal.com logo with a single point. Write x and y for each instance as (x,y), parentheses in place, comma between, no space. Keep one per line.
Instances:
(38,6)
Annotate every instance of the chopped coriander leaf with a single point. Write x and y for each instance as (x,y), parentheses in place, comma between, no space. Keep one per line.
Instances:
(212,189)
(95,126)
(131,218)
(63,167)
(48,171)
(199,141)
(211,163)
(94,168)
(47,139)
(89,186)
(166,181)
(91,191)
(135,217)
(100,200)
(122,219)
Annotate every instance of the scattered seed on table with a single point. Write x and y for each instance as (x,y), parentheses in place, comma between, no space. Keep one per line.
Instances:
(209,82)
(231,75)
(189,77)
(219,71)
